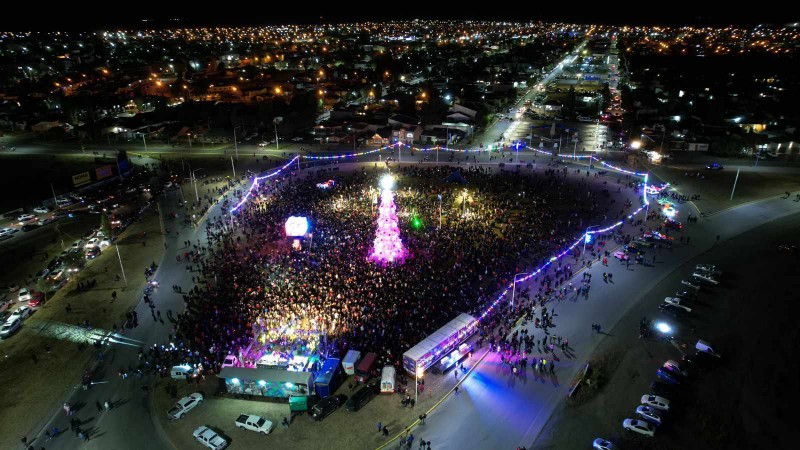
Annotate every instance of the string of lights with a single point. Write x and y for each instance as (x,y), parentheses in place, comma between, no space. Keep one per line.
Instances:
(541,268)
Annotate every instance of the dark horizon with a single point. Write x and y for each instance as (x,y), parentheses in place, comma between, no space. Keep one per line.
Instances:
(28,18)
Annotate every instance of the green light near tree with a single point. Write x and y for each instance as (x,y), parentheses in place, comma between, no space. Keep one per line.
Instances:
(416,223)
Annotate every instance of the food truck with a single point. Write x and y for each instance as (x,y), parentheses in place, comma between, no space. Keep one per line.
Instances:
(350,360)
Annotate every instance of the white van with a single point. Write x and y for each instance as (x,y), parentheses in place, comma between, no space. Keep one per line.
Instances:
(387,380)
(181,372)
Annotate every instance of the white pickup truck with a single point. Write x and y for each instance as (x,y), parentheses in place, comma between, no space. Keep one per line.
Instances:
(254,423)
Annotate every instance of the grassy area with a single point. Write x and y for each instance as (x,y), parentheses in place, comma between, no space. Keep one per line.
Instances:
(36,380)
(596,377)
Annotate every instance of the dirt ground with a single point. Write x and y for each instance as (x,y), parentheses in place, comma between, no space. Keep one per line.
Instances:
(716,186)
(26,404)
(745,401)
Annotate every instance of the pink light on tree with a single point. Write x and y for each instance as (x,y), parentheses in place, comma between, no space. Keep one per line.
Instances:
(387,246)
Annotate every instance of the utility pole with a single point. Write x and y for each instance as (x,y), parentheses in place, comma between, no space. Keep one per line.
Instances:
(734,183)
(194,180)
(277,147)
(234,168)
(55,200)
(124,278)
(235,143)
(145,142)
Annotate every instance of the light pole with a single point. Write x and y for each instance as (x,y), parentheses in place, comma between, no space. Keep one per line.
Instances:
(236,142)
(277,146)
(144,142)
(120,265)
(418,372)
(734,183)
(194,180)
(55,200)
(440,211)
(514,288)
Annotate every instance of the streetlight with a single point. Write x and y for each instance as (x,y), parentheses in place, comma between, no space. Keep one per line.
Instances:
(417,375)
(120,265)
(194,180)
(514,288)
(235,142)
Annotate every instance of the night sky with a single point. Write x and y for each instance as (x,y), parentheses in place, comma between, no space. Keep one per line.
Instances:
(92,15)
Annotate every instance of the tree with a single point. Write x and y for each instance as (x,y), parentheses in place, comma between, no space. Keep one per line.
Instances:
(105,225)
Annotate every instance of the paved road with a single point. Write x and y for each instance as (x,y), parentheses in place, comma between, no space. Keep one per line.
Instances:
(498,410)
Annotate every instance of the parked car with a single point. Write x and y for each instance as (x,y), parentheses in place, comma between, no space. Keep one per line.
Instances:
(35,302)
(622,256)
(678,303)
(659,388)
(639,426)
(92,253)
(705,347)
(602,444)
(184,405)
(686,295)
(649,414)
(254,423)
(29,227)
(699,360)
(325,407)
(667,376)
(25,218)
(24,295)
(5,305)
(656,402)
(672,310)
(20,313)
(41,210)
(714,166)
(361,398)
(91,243)
(10,327)
(676,367)
(706,268)
(210,438)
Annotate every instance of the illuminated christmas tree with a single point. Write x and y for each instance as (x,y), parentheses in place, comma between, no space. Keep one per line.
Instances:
(387,246)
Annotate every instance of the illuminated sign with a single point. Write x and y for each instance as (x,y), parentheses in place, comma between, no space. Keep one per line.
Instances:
(81,179)
(296,226)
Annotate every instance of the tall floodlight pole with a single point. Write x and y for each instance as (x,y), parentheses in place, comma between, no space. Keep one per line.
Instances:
(122,268)
(734,183)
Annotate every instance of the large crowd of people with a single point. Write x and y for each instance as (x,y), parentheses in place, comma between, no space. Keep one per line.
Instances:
(471,235)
